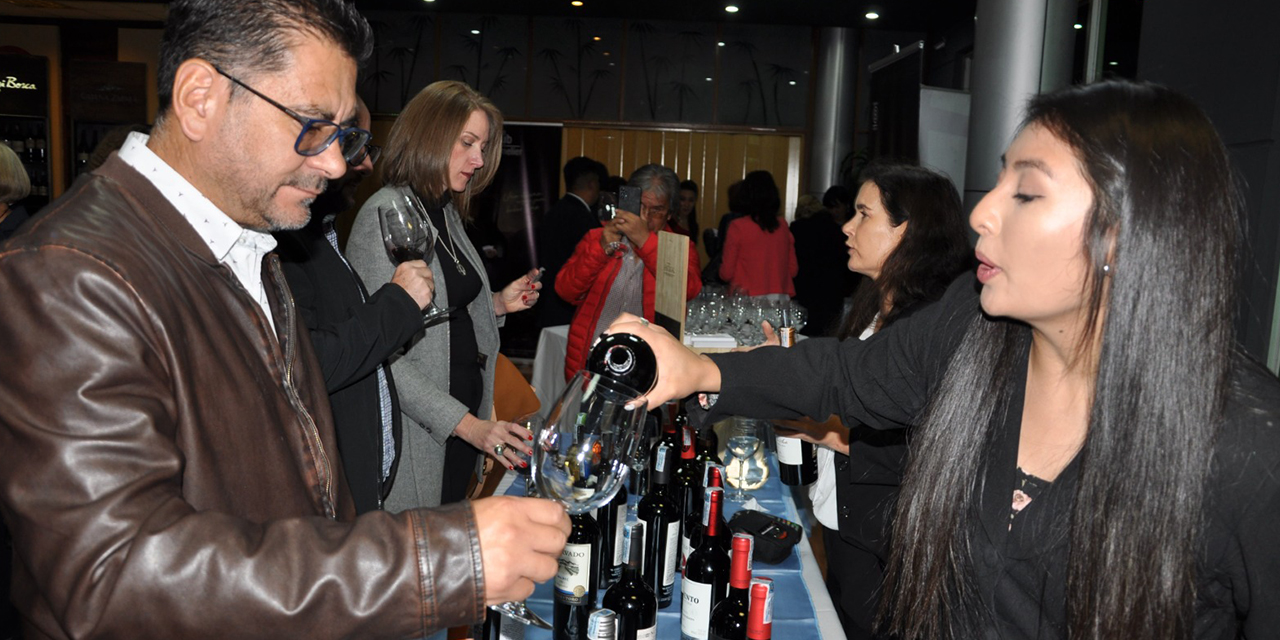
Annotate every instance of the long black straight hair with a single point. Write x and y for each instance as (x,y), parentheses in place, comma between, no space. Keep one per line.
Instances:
(1164,221)
(934,248)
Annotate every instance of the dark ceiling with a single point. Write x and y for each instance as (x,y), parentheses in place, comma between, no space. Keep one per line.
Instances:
(906,15)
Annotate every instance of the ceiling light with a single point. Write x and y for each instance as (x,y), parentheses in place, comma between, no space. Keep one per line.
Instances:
(596,38)
(576,3)
(1114,63)
(1078,26)
(719,44)
(731,8)
(708,79)
(606,53)
(475,32)
(871,15)
(792,83)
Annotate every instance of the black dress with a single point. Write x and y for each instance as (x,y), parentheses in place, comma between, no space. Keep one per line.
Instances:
(1020,569)
(466,369)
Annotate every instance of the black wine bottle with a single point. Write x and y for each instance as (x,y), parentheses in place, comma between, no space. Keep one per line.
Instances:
(631,597)
(760,612)
(612,518)
(729,617)
(625,358)
(575,586)
(662,526)
(706,575)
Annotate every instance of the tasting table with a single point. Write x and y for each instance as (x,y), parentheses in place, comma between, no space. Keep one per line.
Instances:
(801,607)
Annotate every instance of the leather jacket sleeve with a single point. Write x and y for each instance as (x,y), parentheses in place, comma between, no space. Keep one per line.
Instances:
(99,490)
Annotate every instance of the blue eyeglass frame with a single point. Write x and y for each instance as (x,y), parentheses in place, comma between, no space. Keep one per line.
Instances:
(339,132)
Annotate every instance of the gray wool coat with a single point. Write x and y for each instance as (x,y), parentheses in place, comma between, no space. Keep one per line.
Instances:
(422,370)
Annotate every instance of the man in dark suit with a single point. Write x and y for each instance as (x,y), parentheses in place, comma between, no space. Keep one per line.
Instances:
(354,332)
(564,225)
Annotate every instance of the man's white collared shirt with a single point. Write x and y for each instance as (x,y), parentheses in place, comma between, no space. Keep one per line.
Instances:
(242,250)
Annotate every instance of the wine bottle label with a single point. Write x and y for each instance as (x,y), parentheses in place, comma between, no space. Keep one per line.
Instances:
(647,634)
(574,575)
(660,461)
(695,610)
(673,548)
(619,524)
(789,451)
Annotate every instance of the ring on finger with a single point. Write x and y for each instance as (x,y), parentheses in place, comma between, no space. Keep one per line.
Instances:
(643,322)
(499,448)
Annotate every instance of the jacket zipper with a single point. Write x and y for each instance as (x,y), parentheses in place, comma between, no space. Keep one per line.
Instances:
(309,426)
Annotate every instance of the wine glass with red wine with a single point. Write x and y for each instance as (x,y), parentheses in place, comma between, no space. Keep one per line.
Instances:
(408,235)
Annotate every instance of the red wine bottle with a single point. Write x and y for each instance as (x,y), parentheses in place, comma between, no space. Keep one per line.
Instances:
(625,358)
(760,613)
(797,459)
(662,526)
(688,487)
(706,575)
(631,598)
(712,476)
(611,518)
(575,586)
(729,618)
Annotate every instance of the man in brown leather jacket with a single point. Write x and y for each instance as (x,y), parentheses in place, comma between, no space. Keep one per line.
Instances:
(167,460)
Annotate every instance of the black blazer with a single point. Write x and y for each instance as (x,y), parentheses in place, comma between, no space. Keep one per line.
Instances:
(351,337)
(558,235)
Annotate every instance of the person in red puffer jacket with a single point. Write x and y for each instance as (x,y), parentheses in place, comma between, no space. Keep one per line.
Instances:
(613,269)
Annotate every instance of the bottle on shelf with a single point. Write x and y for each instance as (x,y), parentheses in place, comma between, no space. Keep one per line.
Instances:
(30,143)
(575,582)
(706,575)
(82,151)
(797,459)
(17,142)
(662,526)
(602,625)
(760,613)
(631,597)
(729,618)
(611,518)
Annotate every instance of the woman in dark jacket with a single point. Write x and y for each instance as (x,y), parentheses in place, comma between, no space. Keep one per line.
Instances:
(1094,456)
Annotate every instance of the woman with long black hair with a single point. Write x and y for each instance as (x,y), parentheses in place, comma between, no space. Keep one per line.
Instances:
(1095,458)
(907,236)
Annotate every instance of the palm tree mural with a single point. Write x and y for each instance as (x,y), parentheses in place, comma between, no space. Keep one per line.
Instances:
(418,26)
(378,75)
(583,80)
(690,41)
(652,79)
(781,75)
(758,81)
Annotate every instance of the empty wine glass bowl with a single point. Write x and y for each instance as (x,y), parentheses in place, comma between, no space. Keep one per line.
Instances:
(588,442)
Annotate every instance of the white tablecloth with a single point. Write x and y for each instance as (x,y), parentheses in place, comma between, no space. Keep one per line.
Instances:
(548,365)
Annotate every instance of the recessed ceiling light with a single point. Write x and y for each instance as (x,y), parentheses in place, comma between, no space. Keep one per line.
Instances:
(871,15)
(708,79)
(428,0)
(1078,26)
(731,8)
(719,44)
(596,38)
(475,32)
(1114,63)
(792,83)
(606,53)
(576,3)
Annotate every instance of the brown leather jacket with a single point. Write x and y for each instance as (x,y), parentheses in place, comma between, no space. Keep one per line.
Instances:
(168,466)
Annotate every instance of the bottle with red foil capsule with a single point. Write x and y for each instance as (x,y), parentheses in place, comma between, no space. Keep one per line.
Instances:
(706,576)
(687,484)
(712,476)
(760,614)
(729,618)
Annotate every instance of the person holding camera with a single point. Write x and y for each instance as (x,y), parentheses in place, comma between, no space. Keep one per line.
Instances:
(614,268)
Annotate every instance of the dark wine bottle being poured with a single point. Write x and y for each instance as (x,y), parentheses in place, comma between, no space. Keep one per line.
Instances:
(624,358)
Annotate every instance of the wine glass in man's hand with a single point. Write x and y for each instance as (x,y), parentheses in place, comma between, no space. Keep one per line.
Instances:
(408,235)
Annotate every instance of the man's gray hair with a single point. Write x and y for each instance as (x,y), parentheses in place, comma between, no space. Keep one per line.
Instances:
(658,180)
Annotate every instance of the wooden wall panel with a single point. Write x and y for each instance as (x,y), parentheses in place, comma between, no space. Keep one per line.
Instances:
(713,159)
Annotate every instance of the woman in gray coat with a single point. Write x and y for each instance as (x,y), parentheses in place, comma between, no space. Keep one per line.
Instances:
(444,148)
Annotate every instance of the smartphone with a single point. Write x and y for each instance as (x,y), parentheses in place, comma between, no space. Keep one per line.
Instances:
(537,276)
(629,199)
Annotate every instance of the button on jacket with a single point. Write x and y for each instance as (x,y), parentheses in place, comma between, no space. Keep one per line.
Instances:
(167,460)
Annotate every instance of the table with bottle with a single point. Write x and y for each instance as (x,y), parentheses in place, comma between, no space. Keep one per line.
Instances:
(799,605)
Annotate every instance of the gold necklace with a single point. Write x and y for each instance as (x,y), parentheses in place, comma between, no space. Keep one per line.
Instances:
(451,251)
